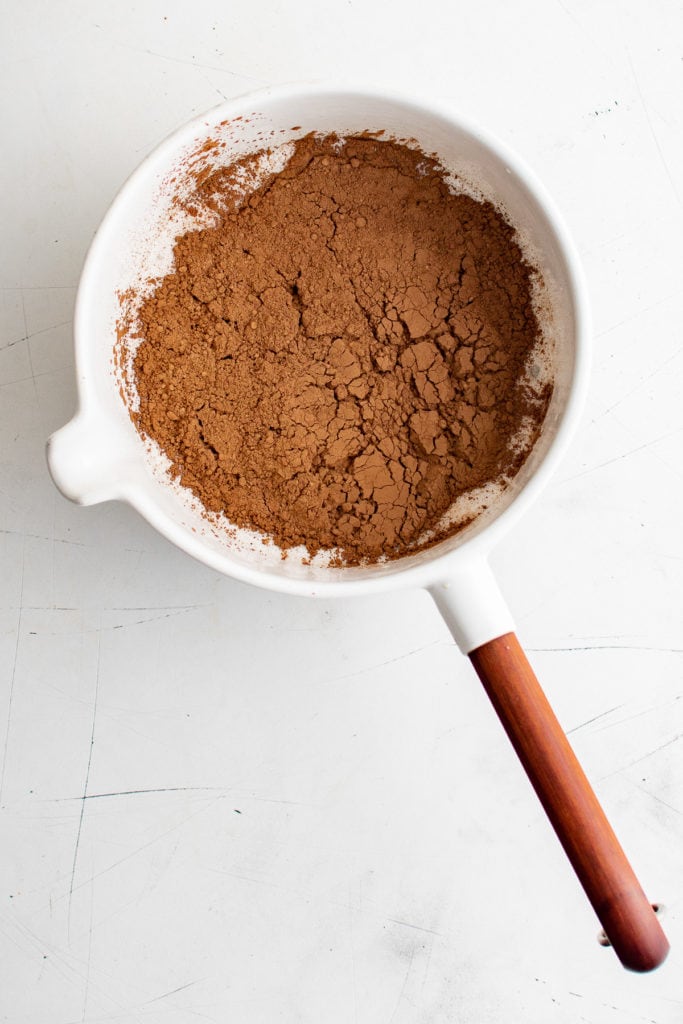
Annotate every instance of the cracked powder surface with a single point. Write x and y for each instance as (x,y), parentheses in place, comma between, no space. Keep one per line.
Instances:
(342,354)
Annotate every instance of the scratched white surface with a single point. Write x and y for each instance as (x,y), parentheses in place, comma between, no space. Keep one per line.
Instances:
(225,805)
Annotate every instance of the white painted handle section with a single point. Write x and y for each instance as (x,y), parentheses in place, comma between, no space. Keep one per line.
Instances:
(81,463)
(472,605)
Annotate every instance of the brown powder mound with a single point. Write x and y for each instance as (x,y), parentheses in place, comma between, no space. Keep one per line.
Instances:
(341,355)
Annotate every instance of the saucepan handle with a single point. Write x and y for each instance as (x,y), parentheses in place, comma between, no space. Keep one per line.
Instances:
(594,852)
(89,458)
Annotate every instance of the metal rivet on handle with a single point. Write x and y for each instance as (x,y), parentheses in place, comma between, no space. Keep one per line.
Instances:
(602,937)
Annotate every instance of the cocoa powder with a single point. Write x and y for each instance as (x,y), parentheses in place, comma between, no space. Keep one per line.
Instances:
(342,354)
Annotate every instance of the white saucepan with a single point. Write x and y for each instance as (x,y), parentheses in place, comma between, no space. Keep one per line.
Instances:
(99,456)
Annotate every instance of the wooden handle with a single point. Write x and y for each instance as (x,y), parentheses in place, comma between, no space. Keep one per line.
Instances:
(578,819)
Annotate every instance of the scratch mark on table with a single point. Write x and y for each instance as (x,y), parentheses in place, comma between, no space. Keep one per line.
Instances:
(66,967)
(352,945)
(116,625)
(668,467)
(571,16)
(595,718)
(198,64)
(11,344)
(264,882)
(652,796)
(276,800)
(639,714)
(403,987)
(52,547)
(605,647)
(430,950)
(34,334)
(180,60)
(213,86)
(634,315)
(85,786)
(652,131)
(391,661)
(638,760)
(154,618)
(139,849)
(156,607)
(635,1016)
(10,699)
(32,376)
(173,991)
(105,608)
(641,383)
(49,607)
(38,287)
(416,927)
(138,792)
(31,943)
(28,351)
(86,992)
(618,458)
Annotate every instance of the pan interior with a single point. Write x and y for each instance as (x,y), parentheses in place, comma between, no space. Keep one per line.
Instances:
(139,246)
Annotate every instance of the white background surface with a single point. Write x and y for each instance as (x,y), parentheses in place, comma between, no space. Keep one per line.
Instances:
(219,804)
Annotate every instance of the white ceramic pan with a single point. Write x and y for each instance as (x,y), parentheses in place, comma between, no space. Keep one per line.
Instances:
(99,456)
